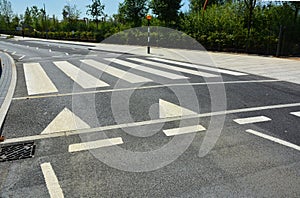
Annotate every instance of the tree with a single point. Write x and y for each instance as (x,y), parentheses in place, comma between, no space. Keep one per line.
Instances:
(166,10)
(6,11)
(96,10)
(250,4)
(70,13)
(27,17)
(133,11)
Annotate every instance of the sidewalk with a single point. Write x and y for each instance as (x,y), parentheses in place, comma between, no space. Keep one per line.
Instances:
(272,67)
(7,84)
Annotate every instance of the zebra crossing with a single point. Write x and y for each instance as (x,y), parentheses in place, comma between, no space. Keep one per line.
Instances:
(140,71)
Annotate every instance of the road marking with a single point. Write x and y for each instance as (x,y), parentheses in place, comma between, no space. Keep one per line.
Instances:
(147,122)
(127,76)
(168,110)
(296,113)
(66,120)
(95,144)
(144,88)
(161,65)
(51,180)
(250,120)
(277,140)
(147,69)
(37,80)
(67,54)
(50,50)
(14,53)
(21,57)
(201,67)
(36,48)
(184,130)
(84,79)
(5,50)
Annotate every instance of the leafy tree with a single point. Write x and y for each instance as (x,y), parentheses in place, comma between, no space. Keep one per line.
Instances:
(6,11)
(96,10)
(70,13)
(133,11)
(250,4)
(166,10)
(28,17)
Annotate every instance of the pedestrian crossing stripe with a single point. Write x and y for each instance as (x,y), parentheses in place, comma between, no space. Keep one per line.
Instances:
(37,81)
(234,73)
(168,110)
(147,69)
(121,74)
(179,69)
(82,78)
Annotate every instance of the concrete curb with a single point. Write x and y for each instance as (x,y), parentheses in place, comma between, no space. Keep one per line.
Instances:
(8,81)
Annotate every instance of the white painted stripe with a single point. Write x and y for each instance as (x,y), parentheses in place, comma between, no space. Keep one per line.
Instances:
(145,87)
(146,69)
(252,120)
(142,123)
(296,113)
(168,109)
(127,76)
(37,80)
(184,130)
(84,79)
(51,180)
(21,57)
(277,140)
(95,144)
(14,53)
(201,67)
(161,65)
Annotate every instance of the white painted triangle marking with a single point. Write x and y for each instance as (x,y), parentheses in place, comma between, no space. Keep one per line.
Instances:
(168,109)
(66,120)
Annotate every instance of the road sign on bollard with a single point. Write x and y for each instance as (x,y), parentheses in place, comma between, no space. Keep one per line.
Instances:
(149,17)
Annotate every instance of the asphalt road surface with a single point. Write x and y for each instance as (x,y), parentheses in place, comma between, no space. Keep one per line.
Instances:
(109,124)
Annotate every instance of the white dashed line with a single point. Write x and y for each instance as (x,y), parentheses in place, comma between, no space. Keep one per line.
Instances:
(277,140)
(184,130)
(95,144)
(51,180)
(250,120)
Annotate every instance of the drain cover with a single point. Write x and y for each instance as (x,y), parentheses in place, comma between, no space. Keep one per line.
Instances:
(17,151)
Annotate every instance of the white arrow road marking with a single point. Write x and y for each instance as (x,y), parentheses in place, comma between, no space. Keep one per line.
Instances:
(168,109)
(66,120)
(296,113)
(51,180)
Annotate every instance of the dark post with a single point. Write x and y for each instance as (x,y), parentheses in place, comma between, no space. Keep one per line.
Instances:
(279,44)
(149,19)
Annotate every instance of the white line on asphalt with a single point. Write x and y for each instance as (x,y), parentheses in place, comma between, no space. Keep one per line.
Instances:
(250,120)
(127,76)
(201,67)
(95,144)
(184,130)
(67,54)
(14,53)
(147,69)
(21,57)
(180,69)
(84,79)
(296,113)
(277,140)
(142,123)
(168,109)
(5,50)
(51,180)
(36,48)
(37,80)
(146,87)
(50,50)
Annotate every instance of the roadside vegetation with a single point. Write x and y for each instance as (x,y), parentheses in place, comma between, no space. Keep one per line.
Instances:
(223,25)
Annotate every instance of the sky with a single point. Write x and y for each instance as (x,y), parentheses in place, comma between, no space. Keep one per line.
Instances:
(56,6)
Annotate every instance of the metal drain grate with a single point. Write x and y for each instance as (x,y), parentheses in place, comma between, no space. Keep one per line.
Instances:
(17,151)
